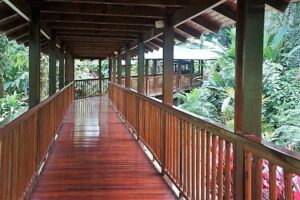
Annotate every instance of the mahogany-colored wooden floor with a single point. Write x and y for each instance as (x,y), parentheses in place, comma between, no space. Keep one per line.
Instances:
(95,157)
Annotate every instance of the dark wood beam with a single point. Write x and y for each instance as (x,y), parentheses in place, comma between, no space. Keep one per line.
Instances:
(103,10)
(19,31)
(168,61)
(194,9)
(95,32)
(157,42)
(152,3)
(152,46)
(107,27)
(141,65)
(226,11)
(279,5)
(207,23)
(179,37)
(78,18)
(22,8)
(190,31)
(34,59)
(79,36)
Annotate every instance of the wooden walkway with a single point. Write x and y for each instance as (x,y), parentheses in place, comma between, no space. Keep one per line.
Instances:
(95,157)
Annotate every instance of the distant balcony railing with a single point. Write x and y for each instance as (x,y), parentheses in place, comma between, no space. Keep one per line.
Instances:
(90,87)
(153,83)
(206,160)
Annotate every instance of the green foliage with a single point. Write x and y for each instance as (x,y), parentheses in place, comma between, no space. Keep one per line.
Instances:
(10,105)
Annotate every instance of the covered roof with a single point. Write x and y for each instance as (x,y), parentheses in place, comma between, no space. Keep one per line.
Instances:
(182,53)
(97,28)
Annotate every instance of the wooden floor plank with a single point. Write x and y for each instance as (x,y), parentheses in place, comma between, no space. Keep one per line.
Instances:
(95,157)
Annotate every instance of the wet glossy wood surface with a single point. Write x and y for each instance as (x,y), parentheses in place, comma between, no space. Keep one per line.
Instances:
(95,157)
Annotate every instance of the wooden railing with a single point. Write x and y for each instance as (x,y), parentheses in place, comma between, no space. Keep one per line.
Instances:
(206,160)
(153,83)
(90,87)
(25,142)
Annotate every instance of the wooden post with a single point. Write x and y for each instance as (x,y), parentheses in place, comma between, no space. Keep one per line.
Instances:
(147,76)
(141,65)
(119,68)
(179,73)
(61,71)
(109,69)
(100,77)
(127,67)
(34,58)
(52,67)
(114,69)
(248,93)
(168,59)
(191,73)
(66,67)
(250,32)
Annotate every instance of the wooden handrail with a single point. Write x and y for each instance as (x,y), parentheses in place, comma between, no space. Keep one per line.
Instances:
(26,140)
(23,114)
(183,133)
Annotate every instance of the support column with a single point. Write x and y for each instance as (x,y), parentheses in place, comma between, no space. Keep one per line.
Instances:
(168,60)
(52,67)
(100,77)
(248,92)
(109,69)
(61,71)
(66,67)
(34,58)
(141,65)
(250,33)
(114,69)
(127,67)
(147,76)
(119,68)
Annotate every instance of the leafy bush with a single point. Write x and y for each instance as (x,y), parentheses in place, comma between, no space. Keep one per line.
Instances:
(11,104)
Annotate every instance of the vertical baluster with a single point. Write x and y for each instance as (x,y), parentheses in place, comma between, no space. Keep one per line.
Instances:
(198,160)
(193,134)
(188,159)
(227,171)
(220,168)
(248,165)
(214,167)
(203,159)
(259,168)
(272,181)
(288,185)
(208,157)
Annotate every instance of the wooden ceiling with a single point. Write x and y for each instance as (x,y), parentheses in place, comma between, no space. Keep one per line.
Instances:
(97,28)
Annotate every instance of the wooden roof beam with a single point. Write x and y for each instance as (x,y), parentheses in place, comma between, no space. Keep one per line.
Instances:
(207,23)
(20,7)
(190,31)
(104,10)
(225,10)
(179,37)
(157,42)
(150,3)
(79,18)
(194,10)
(83,26)
(153,46)
(279,5)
